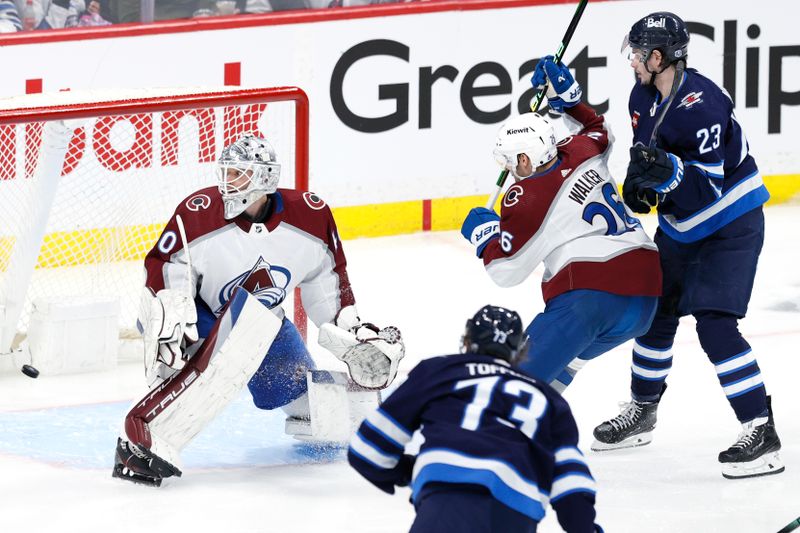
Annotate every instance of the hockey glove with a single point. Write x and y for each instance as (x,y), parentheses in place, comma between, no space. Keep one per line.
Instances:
(371,354)
(562,89)
(167,319)
(652,173)
(481,226)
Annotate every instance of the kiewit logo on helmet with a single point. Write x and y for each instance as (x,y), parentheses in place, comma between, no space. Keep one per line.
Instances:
(514,132)
(656,23)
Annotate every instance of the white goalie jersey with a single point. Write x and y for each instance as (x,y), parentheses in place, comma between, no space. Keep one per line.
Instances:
(297,245)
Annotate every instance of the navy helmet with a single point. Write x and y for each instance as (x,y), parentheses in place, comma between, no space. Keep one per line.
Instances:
(496,331)
(662,31)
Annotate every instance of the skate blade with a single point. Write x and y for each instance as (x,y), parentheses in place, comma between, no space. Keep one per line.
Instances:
(126,474)
(767,464)
(631,442)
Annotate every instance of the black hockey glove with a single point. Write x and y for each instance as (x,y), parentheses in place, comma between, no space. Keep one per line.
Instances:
(652,173)
(635,195)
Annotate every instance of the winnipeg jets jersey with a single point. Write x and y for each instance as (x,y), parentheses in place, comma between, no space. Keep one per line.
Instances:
(571,218)
(721,180)
(484,423)
(297,245)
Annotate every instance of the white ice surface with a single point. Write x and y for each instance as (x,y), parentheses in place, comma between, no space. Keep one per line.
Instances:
(57,433)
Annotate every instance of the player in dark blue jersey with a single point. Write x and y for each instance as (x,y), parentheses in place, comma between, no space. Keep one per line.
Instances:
(499,445)
(697,169)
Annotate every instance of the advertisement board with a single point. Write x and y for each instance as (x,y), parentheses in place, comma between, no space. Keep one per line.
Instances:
(406,99)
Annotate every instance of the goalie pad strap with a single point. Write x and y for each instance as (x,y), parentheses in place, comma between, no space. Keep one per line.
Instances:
(170,415)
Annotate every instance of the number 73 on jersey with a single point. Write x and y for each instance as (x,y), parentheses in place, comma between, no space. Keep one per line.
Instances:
(526,413)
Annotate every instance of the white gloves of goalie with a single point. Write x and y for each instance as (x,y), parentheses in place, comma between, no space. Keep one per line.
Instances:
(370,353)
(167,319)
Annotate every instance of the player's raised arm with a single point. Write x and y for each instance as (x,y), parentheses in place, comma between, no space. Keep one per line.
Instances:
(564,96)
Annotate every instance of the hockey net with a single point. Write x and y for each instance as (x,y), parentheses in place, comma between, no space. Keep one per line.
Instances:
(88,180)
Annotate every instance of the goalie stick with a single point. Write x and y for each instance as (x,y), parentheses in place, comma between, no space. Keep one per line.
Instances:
(185,242)
(537,101)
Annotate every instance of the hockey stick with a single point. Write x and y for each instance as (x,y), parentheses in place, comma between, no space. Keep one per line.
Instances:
(537,101)
(185,242)
(791,526)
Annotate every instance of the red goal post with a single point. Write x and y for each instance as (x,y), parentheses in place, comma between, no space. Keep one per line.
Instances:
(89,178)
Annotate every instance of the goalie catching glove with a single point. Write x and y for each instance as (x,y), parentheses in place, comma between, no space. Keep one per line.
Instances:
(371,354)
(167,319)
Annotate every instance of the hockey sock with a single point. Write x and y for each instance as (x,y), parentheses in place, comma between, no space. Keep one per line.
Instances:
(652,357)
(566,376)
(650,367)
(736,366)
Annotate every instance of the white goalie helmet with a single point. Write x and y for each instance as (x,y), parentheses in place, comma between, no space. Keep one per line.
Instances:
(246,171)
(530,134)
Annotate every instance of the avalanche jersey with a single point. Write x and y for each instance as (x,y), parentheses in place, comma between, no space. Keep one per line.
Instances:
(486,424)
(297,245)
(571,218)
(721,180)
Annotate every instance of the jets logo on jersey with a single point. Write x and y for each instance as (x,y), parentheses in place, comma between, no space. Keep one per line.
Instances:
(264,281)
(690,99)
(635,119)
(314,202)
(198,202)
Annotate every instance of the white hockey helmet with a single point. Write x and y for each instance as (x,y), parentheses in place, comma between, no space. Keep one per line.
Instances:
(246,171)
(530,134)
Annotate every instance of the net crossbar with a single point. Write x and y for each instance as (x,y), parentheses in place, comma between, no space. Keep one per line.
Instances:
(88,180)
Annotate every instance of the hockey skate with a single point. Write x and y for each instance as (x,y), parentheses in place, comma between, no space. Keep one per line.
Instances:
(632,427)
(755,453)
(138,465)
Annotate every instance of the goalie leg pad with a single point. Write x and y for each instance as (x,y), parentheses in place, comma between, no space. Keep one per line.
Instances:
(336,407)
(281,378)
(165,420)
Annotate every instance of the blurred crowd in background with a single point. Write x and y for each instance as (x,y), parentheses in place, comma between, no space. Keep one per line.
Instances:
(25,15)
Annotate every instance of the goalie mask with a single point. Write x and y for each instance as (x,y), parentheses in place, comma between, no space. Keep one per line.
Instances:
(246,171)
(530,134)
(496,331)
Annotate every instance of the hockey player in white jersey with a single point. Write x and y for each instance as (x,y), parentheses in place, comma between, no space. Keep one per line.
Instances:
(211,310)
(602,276)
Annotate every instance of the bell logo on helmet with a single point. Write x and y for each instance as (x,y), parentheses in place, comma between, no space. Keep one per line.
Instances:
(656,23)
